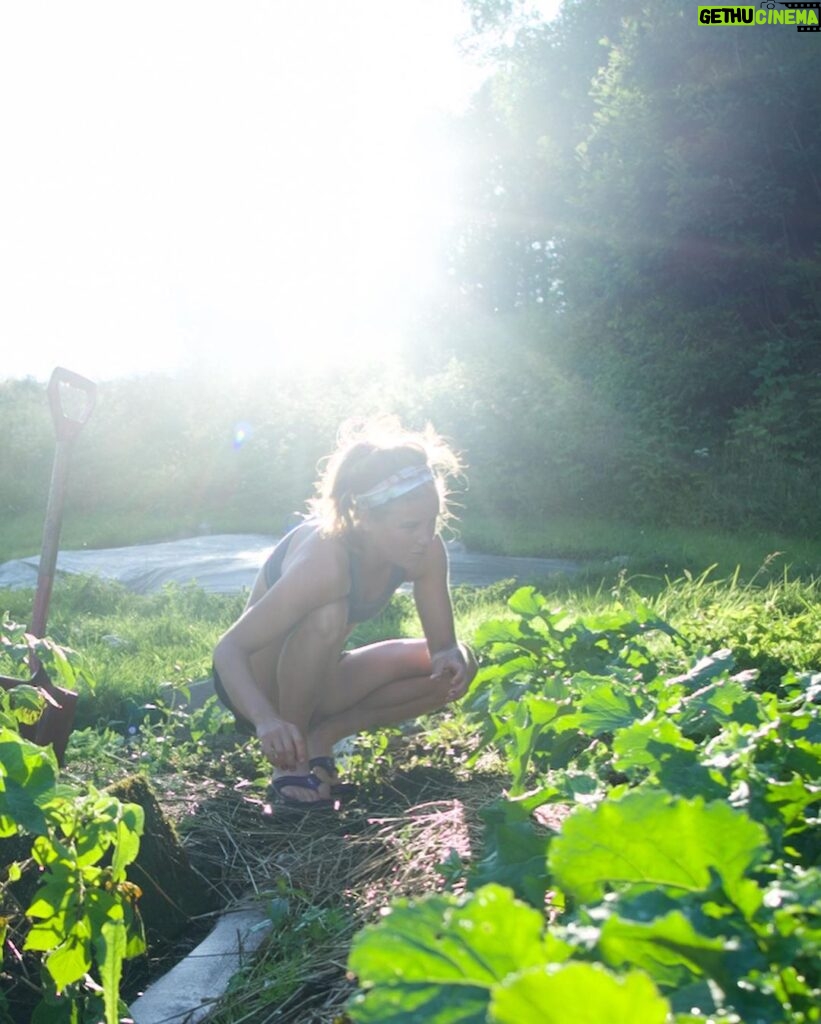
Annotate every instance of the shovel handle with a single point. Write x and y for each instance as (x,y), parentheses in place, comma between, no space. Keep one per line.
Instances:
(70,416)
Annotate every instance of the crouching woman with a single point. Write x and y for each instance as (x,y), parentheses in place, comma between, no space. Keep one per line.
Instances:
(281,668)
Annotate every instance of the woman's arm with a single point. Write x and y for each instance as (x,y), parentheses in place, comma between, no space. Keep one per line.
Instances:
(432,596)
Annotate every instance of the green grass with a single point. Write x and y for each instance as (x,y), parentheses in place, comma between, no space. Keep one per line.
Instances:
(662,550)
(137,646)
(132,645)
(772,624)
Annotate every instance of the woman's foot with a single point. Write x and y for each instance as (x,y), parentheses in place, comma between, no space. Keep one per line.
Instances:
(324,768)
(301,787)
(320,754)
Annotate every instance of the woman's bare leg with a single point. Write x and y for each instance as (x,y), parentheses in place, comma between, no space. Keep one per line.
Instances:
(330,697)
(401,700)
(382,684)
(308,659)
(306,662)
(359,675)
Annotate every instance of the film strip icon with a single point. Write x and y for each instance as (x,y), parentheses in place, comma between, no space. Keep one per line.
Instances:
(803,6)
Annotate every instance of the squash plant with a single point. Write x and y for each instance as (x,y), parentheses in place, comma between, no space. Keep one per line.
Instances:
(684,884)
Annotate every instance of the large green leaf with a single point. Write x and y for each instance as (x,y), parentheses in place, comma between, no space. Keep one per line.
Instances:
(647,837)
(644,745)
(129,830)
(727,700)
(26,703)
(498,631)
(605,705)
(669,949)
(520,734)
(577,993)
(527,601)
(56,895)
(437,959)
(657,748)
(420,1001)
(792,799)
(18,810)
(27,775)
(514,853)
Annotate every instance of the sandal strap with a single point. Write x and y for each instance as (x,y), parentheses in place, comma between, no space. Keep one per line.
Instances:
(309,781)
(327,764)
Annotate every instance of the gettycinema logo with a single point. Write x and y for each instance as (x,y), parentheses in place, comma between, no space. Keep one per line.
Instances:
(805,16)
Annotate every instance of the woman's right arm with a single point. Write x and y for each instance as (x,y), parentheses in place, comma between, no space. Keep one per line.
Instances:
(282,743)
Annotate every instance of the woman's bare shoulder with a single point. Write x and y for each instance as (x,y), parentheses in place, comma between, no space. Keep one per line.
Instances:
(325,559)
(311,550)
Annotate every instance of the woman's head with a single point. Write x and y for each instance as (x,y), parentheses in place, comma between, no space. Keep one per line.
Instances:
(377,468)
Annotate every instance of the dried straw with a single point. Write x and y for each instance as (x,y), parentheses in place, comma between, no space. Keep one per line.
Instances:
(351,864)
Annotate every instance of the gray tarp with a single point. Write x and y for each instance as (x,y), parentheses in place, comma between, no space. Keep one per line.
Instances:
(226,563)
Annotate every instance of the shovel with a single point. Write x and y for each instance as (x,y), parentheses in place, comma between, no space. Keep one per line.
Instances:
(71,398)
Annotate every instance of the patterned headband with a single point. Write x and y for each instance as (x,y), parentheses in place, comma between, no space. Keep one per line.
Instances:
(407,479)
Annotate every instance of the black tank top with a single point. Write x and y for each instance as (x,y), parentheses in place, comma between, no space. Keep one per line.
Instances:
(359,610)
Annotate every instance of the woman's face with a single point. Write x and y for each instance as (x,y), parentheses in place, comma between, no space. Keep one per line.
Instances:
(402,531)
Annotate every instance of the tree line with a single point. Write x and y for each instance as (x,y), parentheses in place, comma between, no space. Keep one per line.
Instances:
(642,249)
(629,326)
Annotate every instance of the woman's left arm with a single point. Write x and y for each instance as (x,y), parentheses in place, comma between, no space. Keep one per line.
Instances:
(432,597)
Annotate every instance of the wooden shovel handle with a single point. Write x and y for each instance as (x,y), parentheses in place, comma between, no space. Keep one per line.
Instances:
(69,420)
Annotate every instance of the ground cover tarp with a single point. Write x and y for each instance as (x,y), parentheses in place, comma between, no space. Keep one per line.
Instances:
(227,563)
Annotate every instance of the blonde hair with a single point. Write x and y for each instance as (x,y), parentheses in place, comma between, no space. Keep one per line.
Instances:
(367,454)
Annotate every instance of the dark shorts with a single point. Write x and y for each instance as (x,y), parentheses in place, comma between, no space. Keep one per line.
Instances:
(242,724)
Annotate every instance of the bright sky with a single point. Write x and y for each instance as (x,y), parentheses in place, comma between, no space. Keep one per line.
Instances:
(189,182)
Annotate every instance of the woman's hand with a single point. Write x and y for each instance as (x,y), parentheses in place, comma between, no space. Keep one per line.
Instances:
(452,663)
(282,743)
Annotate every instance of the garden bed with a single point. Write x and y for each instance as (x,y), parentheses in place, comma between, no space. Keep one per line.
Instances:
(321,877)
(583,729)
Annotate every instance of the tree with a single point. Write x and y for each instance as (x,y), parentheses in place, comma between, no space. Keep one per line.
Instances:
(645,190)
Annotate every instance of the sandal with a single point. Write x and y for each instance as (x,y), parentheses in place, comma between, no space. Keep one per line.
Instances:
(307,782)
(328,765)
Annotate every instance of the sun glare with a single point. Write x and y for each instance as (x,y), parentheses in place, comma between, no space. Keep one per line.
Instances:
(237,187)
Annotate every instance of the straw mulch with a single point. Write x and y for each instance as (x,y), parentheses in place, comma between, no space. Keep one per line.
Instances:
(323,876)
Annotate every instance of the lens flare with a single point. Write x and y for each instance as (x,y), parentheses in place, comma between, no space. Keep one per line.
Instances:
(243,432)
